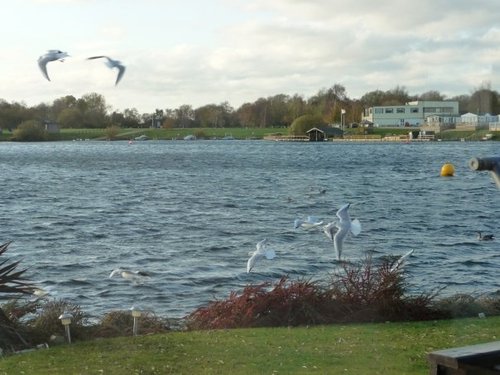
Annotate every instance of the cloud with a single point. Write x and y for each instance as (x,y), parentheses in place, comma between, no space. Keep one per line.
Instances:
(246,49)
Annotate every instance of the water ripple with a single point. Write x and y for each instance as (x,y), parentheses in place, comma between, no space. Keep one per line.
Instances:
(190,212)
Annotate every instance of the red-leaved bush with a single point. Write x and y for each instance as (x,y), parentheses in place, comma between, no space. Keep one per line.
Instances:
(357,293)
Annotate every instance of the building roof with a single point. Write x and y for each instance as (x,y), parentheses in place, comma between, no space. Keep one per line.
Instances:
(326,130)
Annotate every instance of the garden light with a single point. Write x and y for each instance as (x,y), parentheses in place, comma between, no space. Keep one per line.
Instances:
(66,321)
(136,314)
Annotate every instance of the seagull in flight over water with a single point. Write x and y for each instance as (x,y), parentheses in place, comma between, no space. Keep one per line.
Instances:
(51,55)
(112,64)
(260,253)
(345,226)
(135,276)
(309,223)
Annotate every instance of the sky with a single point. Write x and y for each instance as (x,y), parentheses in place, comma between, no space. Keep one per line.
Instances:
(200,52)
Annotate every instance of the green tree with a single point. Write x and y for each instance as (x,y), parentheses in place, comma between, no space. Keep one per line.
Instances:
(303,123)
(70,118)
(373,98)
(432,95)
(12,114)
(184,116)
(131,118)
(30,131)
(297,107)
(484,100)
(61,104)
(94,110)
(328,103)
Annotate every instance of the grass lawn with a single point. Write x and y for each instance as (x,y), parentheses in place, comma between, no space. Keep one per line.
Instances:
(390,348)
(237,133)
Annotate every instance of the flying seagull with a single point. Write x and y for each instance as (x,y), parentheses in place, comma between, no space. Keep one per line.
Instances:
(309,223)
(51,55)
(135,276)
(112,64)
(345,226)
(260,253)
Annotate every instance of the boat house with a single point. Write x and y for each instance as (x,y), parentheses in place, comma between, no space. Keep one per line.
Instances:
(322,134)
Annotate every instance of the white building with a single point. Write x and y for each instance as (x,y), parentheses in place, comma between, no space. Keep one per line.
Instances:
(409,114)
(471,121)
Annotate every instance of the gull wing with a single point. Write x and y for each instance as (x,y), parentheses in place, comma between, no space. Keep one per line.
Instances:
(401,260)
(115,272)
(355,227)
(97,57)
(261,245)
(121,72)
(342,213)
(42,64)
(270,254)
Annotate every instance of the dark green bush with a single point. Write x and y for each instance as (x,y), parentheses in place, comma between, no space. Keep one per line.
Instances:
(30,131)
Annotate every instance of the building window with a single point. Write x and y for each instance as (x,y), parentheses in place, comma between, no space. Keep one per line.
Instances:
(379,110)
(414,110)
(429,109)
(400,110)
(389,110)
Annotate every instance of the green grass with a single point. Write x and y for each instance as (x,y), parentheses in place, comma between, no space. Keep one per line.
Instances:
(238,133)
(168,134)
(387,348)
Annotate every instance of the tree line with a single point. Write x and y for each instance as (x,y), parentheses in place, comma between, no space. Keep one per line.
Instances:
(92,111)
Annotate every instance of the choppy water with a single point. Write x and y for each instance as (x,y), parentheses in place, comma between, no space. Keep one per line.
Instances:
(190,212)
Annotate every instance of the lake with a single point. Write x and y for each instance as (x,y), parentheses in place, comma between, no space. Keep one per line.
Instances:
(189,213)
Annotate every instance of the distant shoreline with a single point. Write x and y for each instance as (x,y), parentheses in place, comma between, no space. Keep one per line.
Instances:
(272,134)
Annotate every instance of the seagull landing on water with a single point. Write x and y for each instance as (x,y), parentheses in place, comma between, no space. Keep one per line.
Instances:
(485,237)
(260,253)
(51,55)
(345,226)
(135,276)
(112,64)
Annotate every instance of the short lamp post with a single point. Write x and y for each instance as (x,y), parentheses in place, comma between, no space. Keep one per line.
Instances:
(136,314)
(66,321)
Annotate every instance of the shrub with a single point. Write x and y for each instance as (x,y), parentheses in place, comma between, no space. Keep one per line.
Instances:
(120,323)
(464,305)
(200,134)
(30,131)
(112,132)
(358,293)
(47,323)
(378,293)
(287,303)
